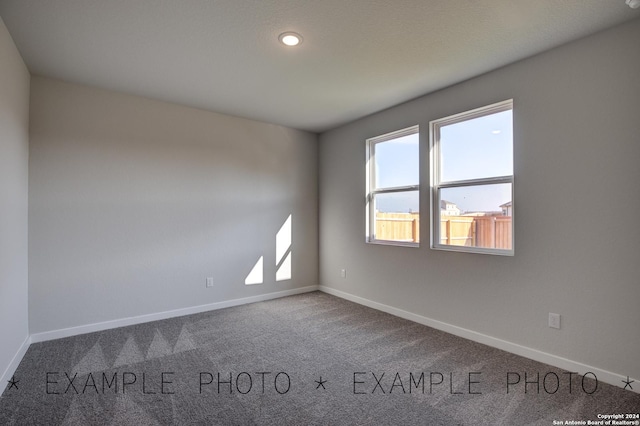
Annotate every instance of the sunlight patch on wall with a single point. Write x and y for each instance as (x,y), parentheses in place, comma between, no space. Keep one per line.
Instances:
(283,251)
(256,274)
(283,257)
(284,271)
(283,240)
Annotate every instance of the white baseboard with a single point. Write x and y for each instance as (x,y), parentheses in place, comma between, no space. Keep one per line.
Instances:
(13,365)
(90,328)
(534,354)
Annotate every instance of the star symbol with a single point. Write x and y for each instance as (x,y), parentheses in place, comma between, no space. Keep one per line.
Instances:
(321,383)
(13,383)
(628,383)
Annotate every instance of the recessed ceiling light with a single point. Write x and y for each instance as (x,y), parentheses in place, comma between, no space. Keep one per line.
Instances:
(290,38)
(496,132)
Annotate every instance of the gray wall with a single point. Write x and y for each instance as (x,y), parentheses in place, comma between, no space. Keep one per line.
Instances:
(134,202)
(577,230)
(14,161)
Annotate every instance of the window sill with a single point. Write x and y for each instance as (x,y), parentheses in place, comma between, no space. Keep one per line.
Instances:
(476,250)
(393,243)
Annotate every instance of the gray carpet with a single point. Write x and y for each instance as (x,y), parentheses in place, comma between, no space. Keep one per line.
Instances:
(309,359)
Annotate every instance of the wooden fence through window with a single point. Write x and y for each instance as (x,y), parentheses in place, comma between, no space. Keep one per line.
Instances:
(470,231)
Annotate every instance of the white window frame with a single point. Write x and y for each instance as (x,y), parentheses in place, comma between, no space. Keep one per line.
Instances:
(437,185)
(372,190)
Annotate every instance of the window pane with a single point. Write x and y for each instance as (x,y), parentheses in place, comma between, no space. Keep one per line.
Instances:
(397,162)
(478,148)
(477,216)
(396,217)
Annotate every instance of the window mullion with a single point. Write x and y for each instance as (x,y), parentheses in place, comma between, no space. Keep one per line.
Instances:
(395,189)
(476,182)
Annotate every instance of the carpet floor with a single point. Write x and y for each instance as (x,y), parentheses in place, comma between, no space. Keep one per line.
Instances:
(311,359)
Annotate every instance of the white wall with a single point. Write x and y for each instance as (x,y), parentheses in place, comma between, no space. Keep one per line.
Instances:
(14,162)
(134,202)
(577,153)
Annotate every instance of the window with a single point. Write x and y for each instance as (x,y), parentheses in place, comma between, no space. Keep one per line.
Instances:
(472,180)
(393,194)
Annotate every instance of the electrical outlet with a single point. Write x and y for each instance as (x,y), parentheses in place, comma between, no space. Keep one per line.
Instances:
(554,320)
(209,281)
(343,273)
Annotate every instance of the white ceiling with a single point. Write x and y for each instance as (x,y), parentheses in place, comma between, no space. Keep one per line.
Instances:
(358,56)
